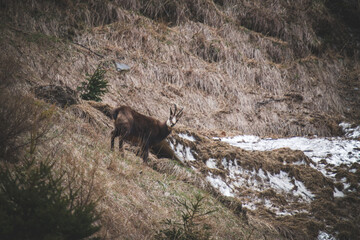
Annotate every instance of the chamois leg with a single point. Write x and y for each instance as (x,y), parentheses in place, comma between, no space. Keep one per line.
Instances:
(124,132)
(113,136)
(145,153)
(121,143)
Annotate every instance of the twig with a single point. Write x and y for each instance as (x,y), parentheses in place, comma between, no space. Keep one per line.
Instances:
(97,54)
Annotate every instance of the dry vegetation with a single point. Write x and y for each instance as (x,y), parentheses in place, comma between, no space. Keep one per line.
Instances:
(321,213)
(134,198)
(250,67)
(259,68)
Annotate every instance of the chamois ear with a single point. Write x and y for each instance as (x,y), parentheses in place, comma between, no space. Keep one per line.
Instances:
(173,112)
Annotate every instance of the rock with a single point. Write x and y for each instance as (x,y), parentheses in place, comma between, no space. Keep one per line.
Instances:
(59,95)
(122,67)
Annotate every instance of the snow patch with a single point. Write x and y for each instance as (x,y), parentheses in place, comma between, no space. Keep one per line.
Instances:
(350,132)
(281,212)
(219,184)
(252,203)
(283,182)
(182,152)
(249,205)
(302,162)
(261,180)
(346,185)
(338,193)
(335,151)
(325,236)
(211,163)
(187,137)
(188,155)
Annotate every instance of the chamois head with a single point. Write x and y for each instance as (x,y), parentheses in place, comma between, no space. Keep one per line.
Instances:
(174,116)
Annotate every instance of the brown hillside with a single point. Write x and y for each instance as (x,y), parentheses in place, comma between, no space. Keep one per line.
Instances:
(267,68)
(258,68)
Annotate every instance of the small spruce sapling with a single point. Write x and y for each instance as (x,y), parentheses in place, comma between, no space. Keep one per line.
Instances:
(95,85)
(191,226)
(35,203)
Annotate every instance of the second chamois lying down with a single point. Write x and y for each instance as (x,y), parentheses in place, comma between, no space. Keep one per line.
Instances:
(140,129)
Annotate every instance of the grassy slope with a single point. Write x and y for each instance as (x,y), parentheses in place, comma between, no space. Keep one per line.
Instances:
(278,75)
(256,80)
(134,198)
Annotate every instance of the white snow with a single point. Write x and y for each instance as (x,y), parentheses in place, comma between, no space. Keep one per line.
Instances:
(187,137)
(350,132)
(249,205)
(281,212)
(182,152)
(338,193)
(211,163)
(325,236)
(282,182)
(301,162)
(188,155)
(242,139)
(254,202)
(219,184)
(335,151)
(261,180)
(176,151)
(346,185)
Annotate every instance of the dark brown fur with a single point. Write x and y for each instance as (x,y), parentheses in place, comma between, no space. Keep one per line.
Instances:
(138,129)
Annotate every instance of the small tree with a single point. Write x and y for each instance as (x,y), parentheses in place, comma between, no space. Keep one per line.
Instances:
(191,226)
(35,204)
(95,86)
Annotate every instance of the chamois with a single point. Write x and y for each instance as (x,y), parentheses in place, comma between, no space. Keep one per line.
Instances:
(140,129)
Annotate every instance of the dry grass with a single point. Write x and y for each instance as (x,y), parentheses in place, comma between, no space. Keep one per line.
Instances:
(312,215)
(220,73)
(254,67)
(133,197)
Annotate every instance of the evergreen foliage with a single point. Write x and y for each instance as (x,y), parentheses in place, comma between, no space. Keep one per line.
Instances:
(95,85)
(35,204)
(191,226)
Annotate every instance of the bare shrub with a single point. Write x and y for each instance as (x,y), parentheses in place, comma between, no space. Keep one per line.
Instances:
(23,121)
(8,67)
(175,12)
(20,118)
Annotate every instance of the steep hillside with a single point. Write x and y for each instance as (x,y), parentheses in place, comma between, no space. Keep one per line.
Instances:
(260,68)
(264,68)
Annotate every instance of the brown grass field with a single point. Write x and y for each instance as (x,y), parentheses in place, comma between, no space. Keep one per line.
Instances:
(265,68)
